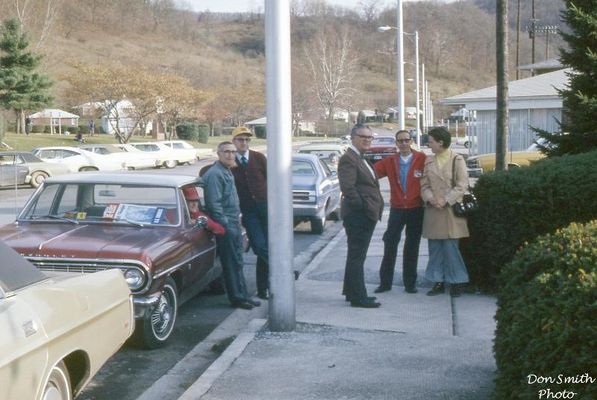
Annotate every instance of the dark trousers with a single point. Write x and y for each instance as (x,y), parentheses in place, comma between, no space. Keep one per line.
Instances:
(230,251)
(255,223)
(359,230)
(412,218)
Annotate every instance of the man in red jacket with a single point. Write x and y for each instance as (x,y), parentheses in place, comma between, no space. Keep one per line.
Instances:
(404,171)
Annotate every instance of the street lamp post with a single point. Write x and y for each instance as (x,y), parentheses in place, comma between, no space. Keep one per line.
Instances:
(399,60)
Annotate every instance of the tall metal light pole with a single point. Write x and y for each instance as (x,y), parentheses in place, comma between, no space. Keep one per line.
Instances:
(400,63)
(424,92)
(279,162)
(417,96)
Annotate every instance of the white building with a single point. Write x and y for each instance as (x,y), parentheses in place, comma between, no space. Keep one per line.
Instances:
(532,103)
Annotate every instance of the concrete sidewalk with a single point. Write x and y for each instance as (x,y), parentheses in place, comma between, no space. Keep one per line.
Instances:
(412,347)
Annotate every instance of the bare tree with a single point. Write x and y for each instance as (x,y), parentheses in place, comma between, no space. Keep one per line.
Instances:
(369,10)
(332,66)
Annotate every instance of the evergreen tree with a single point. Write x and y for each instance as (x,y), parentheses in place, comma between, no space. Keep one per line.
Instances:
(21,87)
(578,128)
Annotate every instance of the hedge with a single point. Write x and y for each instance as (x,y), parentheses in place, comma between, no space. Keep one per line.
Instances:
(547,318)
(187,131)
(520,204)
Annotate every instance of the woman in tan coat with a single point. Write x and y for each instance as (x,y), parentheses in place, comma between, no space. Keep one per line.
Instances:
(440,226)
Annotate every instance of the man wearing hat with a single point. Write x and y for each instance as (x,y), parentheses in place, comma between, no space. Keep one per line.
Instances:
(250,178)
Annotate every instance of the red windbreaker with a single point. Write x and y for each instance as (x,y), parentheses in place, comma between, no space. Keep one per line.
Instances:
(390,167)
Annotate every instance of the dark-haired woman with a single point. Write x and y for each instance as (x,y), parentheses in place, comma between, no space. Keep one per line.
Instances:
(439,190)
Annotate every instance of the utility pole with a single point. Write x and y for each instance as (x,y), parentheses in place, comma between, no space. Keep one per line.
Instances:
(518,41)
(501,134)
(282,313)
(532,35)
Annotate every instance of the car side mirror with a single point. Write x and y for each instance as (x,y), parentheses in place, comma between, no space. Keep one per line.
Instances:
(201,222)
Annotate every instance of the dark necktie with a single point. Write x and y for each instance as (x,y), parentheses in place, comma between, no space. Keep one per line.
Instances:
(243,161)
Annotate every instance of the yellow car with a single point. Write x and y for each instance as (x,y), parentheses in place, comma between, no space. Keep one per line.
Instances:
(56,333)
(483,163)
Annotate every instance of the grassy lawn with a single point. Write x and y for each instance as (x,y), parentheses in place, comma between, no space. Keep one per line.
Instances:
(34,140)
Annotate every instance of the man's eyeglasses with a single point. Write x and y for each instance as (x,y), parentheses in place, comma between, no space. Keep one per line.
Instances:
(402,140)
(243,139)
(227,152)
(366,137)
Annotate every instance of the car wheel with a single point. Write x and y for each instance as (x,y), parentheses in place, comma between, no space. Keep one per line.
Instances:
(87,169)
(57,386)
(170,163)
(158,325)
(317,225)
(37,178)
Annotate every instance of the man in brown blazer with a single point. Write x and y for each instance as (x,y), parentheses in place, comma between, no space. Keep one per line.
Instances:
(362,205)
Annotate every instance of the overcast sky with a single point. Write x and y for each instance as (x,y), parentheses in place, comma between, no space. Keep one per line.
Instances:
(253,5)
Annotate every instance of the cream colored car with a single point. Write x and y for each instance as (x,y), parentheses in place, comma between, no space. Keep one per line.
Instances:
(56,333)
(484,163)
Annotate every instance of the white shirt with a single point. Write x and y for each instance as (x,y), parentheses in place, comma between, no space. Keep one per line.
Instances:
(364,161)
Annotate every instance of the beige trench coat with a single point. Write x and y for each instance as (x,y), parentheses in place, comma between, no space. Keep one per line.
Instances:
(441,223)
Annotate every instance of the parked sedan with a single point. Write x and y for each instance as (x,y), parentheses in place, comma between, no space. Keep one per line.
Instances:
(381,147)
(136,223)
(78,160)
(166,156)
(56,333)
(187,153)
(132,160)
(315,191)
(151,159)
(328,152)
(21,167)
(484,163)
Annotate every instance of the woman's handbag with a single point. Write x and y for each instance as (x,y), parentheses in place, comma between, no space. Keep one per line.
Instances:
(469,201)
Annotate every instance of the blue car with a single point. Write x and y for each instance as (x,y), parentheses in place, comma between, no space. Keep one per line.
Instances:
(315,191)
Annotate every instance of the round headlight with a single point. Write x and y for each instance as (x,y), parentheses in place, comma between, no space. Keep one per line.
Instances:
(134,278)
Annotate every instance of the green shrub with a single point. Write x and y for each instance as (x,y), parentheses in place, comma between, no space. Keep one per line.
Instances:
(547,316)
(39,128)
(202,133)
(47,129)
(187,131)
(261,131)
(520,204)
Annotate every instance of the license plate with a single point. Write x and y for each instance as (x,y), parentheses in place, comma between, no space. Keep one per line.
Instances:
(377,157)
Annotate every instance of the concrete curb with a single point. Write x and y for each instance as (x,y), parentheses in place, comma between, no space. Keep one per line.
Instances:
(186,369)
(221,365)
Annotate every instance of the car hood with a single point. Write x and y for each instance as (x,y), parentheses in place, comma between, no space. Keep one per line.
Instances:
(88,241)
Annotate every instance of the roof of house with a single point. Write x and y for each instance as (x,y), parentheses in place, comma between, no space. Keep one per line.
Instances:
(258,121)
(53,113)
(540,86)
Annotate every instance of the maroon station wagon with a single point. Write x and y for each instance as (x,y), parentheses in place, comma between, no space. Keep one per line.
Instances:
(138,223)
(381,147)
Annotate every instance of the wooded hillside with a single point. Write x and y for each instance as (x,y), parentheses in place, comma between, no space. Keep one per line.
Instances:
(222,55)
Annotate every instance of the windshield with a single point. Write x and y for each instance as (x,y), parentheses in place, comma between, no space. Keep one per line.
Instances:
(104,203)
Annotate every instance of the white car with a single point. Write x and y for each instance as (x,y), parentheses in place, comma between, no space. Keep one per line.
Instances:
(187,150)
(166,156)
(132,159)
(151,159)
(78,160)
(57,331)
